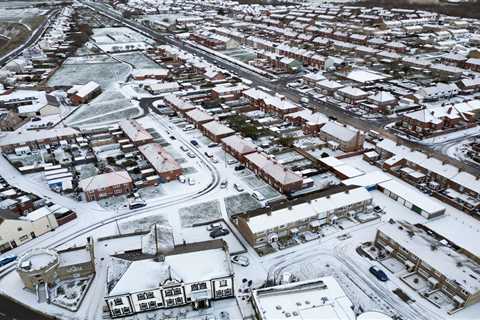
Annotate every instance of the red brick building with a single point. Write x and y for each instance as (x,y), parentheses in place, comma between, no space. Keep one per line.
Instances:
(106,185)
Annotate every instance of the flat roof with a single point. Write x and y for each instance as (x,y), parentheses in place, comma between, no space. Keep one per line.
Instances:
(320,299)
(413,196)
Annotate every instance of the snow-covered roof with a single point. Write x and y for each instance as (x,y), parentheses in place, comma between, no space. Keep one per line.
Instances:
(467,180)
(339,131)
(159,158)
(104,180)
(320,299)
(37,214)
(240,145)
(364,76)
(198,115)
(348,171)
(413,196)
(216,128)
(276,171)
(188,267)
(312,118)
(444,259)
(382,97)
(178,102)
(134,131)
(86,89)
(320,206)
(21,137)
(368,179)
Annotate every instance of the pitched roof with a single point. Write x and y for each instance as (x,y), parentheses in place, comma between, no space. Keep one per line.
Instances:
(105,180)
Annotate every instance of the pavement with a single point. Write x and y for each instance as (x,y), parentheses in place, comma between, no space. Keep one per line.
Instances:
(13,311)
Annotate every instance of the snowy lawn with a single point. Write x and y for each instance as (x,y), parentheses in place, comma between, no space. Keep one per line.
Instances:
(200,213)
(142,224)
(240,203)
(103,73)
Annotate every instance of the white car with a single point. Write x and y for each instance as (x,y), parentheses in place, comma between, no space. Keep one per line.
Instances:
(231,161)
(213,226)
(191,181)
(240,260)
(182,179)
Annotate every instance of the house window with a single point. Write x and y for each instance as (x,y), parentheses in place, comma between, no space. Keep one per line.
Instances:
(141,296)
(143,306)
(178,300)
(149,295)
(126,310)
(116,312)
(223,283)
(195,287)
(169,302)
(152,304)
(203,286)
(168,293)
(177,291)
(118,301)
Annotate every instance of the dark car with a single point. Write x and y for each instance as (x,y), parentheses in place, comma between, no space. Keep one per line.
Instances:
(7,260)
(239,167)
(173,138)
(219,233)
(379,274)
(194,142)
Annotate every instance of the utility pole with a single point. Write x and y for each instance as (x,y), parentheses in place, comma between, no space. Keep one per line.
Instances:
(156,241)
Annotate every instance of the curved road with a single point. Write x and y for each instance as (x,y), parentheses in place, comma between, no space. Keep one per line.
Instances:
(15,311)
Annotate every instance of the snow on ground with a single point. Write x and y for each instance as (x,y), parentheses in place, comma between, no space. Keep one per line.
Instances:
(200,213)
(240,203)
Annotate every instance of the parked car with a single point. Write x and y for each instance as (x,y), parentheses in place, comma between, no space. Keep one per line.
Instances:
(239,167)
(183,148)
(238,187)
(136,203)
(240,260)
(214,226)
(194,142)
(231,161)
(191,181)
(377,209)
(214,160)
(379,274)
(189,127)
(7,260)
(223,184)
(213,145)
(208,154)
(257,195)
(173,138)
(191,155)
(182,179)
(219,233)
